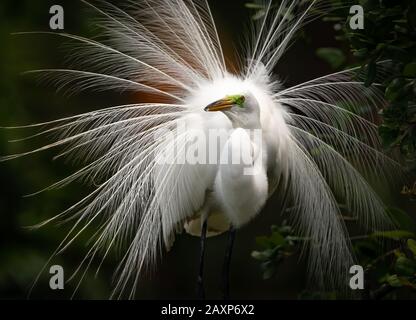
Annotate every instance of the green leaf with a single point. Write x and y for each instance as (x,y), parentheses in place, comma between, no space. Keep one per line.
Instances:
(259,255)
(405,282)
(277,239)
(393,234)
(335,57)
(405,266)
(394,281)
(263,242)
(269,270)
(409,70)
(412,246)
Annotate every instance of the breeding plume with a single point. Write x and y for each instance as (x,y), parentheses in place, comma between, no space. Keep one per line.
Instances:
(310,144)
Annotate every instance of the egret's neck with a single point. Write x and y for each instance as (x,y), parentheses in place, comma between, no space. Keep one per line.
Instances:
(249,120)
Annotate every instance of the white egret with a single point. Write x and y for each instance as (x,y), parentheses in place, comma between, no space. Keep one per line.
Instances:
(315,147)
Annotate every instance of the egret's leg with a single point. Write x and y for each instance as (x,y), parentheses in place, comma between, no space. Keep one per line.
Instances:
(226,266)
(200,282)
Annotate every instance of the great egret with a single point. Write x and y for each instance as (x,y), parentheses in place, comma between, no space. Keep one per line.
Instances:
(315,147)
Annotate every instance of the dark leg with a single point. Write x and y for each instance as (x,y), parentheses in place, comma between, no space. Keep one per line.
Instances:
(226,266)
(200,282)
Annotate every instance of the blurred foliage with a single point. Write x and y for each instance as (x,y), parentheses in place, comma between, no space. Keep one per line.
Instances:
(274,248)
(387,272)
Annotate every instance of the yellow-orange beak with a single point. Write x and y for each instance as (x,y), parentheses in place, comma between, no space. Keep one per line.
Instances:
(220,105)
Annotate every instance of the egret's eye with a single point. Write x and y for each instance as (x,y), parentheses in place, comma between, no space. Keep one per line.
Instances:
(237,99)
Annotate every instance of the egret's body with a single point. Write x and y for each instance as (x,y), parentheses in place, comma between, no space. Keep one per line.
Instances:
(314,148)
(221,192)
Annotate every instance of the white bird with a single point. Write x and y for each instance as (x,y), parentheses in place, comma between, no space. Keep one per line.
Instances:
(315,147)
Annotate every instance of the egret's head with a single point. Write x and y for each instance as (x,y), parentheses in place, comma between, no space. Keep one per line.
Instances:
(242,109)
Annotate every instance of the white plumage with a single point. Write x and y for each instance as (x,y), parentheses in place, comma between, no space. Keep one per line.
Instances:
(316,147)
